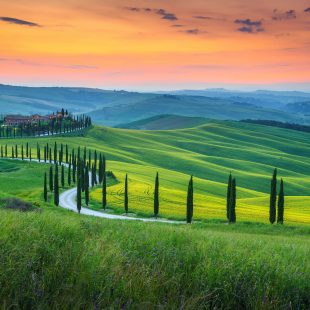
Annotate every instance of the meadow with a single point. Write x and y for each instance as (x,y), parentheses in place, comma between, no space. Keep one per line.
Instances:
(209,152)
(54,259)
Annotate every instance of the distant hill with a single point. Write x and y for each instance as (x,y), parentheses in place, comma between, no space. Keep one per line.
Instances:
(165,122)
(195,106)
(30,100)
(108,107)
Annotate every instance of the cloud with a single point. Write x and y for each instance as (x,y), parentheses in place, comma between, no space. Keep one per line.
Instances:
(194,31)
(19,22)
(162,12)
(250,26)
(278,15)
(202,17)
(307,10)
(166,15)
(177,26)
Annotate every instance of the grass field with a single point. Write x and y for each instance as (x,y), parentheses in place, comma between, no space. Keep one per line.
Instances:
(209,152)
(56,260)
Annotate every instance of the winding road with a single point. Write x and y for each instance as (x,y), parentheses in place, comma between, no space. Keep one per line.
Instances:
(67,200)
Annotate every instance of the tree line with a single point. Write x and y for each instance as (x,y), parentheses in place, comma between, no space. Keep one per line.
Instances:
(87,168)
(54,126)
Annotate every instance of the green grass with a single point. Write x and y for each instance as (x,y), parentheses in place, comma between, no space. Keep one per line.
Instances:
(209,152)
(57,260)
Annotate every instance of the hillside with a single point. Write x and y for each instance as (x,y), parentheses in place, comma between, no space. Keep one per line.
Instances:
(165,122)
(209,152)
(195,106)
(75,261)
(112,108)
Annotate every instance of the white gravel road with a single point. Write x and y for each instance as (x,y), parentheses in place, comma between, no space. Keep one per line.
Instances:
(67,200)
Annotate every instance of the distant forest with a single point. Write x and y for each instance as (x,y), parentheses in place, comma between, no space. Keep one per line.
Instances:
(297,127)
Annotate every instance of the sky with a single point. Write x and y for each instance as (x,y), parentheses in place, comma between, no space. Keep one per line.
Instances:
(156,45)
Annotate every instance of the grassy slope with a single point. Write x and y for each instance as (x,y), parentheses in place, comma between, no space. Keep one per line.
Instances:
(165,122)
(209,152)
(54,259)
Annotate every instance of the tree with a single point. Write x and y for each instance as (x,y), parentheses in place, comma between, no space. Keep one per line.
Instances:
(281,204)
(79,194)
(62,176)
(56,186)
(126,194)
(51,182)
(190,201)
(156,196)
(55,153)
(273,198)
(232,202)
(86,185)
(45,187)
(228,196)
(104,191)
(69,174)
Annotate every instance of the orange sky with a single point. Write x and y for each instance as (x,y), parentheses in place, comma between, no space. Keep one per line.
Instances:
(148,44)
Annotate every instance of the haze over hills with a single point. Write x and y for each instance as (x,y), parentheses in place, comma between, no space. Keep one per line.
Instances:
(112,108)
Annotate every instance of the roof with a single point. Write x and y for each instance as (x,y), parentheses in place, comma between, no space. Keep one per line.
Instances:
(17,116)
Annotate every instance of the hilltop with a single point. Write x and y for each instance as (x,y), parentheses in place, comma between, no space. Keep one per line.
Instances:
(108,107)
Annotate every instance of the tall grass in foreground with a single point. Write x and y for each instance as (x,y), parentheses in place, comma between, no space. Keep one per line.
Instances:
(52,259)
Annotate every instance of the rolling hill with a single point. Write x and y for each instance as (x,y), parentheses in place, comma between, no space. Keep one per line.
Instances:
(209,152)
(75,261)
(121,107)
(165,122)
(195,106)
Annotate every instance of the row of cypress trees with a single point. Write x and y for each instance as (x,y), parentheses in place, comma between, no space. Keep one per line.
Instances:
(83,166)
(273,214)
(52,127)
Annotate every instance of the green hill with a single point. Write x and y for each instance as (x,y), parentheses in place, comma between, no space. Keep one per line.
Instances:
(54,259)
(209,152)
(165,122)
(198,106)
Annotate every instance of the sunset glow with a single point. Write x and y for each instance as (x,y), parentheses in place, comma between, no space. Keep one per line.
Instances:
(155,44)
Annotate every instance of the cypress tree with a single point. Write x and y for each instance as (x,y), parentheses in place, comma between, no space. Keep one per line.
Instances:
(79,194)
(86,185)
(228,196)
(273,198)
(45,187)
(67,154)
(281,204)
(104,191)
(93,176)
(190,200)
(100,169)
(61,153)
(62,176)
(232,203)
(126,194)
(27,150)
(51,183)
(30,154)
(74,168)
(95,167)
(156,196)
(69,175)
(22,152)
(56,186)
(82,171)
(55,153)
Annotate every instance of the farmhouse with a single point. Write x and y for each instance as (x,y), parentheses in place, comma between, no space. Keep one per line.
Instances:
(14,120)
